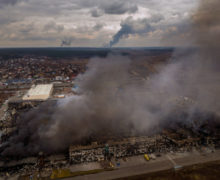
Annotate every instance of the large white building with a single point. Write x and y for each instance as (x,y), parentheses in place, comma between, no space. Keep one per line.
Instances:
(39,92)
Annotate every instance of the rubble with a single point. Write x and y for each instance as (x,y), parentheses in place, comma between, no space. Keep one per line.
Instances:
(163,143)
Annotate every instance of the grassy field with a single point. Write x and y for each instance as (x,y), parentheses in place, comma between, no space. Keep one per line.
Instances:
(207,171)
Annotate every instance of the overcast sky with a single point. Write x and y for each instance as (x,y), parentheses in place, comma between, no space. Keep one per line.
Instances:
(94,23)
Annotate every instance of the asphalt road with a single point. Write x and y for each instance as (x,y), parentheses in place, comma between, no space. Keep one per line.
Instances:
(165,162)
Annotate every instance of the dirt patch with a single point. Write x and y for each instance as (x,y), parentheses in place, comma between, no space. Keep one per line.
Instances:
(210,171)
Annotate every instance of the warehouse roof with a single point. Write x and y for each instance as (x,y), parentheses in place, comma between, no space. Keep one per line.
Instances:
(39,92)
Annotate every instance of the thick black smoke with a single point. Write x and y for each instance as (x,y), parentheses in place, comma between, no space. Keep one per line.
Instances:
(112,103)
(140,26)
(66,42)
(107,106)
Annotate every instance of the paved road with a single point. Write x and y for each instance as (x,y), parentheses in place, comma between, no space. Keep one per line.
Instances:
(168,161)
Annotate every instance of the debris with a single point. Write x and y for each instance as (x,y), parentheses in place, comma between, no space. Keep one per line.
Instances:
(146,157)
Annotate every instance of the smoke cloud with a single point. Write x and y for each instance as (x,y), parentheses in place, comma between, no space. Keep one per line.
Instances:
(66,42)
(110,102)
(139,26)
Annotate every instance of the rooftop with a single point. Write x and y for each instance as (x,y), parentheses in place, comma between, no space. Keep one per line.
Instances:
(39,92)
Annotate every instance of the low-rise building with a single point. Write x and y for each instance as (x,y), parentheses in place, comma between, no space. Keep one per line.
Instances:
(39,92)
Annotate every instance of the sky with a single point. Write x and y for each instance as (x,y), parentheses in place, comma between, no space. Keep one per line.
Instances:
(95,23)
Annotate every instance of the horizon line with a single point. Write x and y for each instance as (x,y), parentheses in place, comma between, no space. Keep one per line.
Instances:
(89,47)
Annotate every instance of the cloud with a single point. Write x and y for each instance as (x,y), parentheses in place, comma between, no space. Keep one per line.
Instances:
(4,3)
(177,33)
(98,26)
(25,29)
(53,26)
(113,7)
(49,17)
(118,7)
(96,13)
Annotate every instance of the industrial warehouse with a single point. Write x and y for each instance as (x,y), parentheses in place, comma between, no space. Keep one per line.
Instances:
(39,92)
(25,100)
